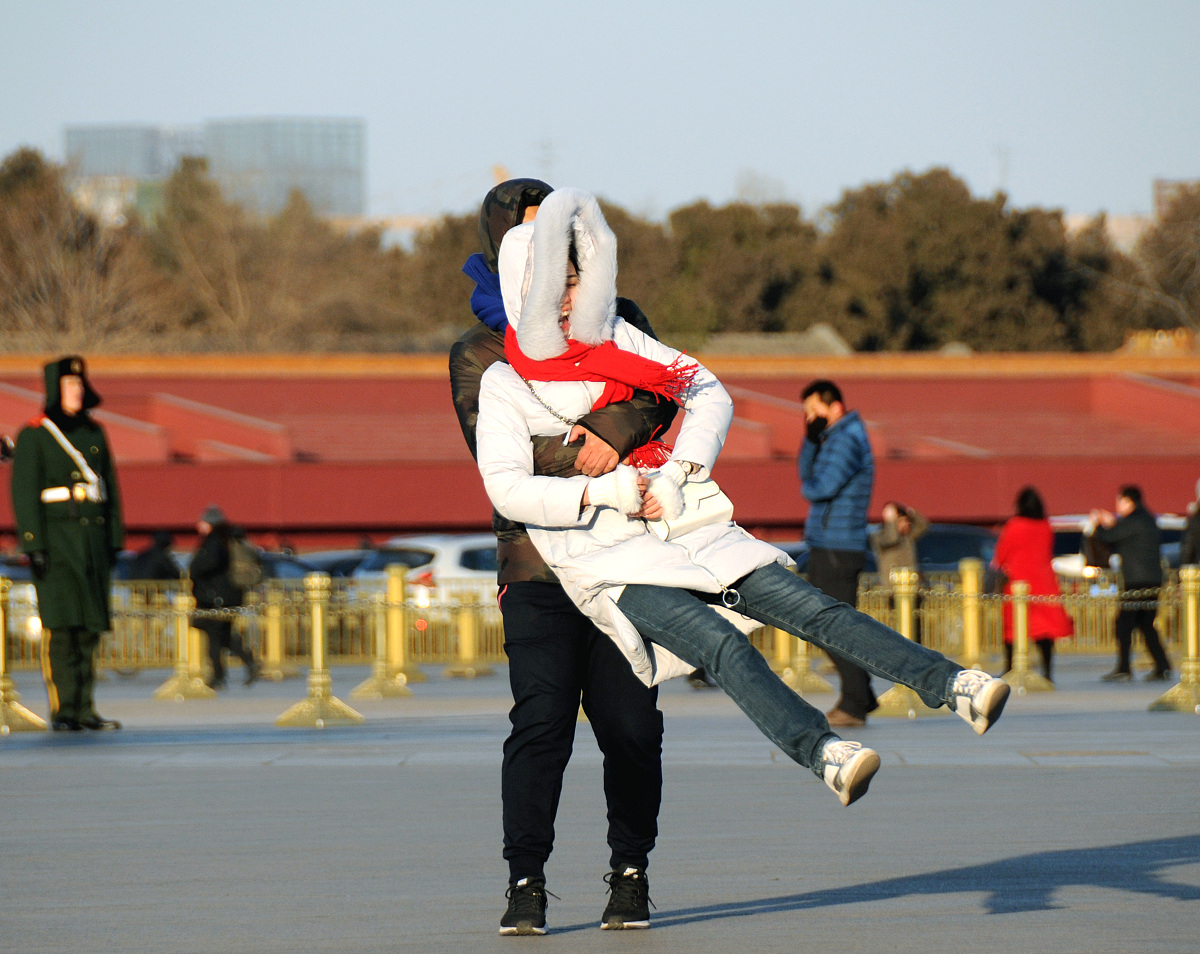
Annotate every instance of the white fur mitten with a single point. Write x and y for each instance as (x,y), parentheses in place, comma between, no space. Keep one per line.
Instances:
(664,486)
(676,471)
(617,489)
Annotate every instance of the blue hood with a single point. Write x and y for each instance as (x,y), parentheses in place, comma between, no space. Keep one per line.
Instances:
(486,301)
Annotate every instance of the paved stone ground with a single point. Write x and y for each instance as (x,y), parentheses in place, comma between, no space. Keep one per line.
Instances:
(1073,826)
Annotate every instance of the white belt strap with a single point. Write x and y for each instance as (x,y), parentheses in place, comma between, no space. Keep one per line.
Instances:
(95,490)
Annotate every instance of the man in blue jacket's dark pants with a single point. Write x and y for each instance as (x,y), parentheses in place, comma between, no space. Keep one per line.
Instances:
(837,472)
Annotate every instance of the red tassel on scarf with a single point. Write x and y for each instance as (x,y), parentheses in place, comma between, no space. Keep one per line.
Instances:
(650,456)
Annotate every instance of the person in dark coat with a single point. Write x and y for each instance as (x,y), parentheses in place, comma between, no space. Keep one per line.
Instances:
(213,588)
(1189,546)
(1133,533)
(837,474)
(557,657)
(68,510)
(156,562)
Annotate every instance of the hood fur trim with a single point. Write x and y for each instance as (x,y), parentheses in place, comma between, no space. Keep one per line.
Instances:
(533,274)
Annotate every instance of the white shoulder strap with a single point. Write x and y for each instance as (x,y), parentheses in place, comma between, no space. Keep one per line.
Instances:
(89,474)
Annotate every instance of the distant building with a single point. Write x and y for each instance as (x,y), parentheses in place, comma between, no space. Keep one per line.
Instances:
(1123,231)
(114,168)
(1167,191)
(257,162)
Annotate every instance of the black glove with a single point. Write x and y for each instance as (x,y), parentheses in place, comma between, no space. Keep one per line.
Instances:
(39,562)
(816,427)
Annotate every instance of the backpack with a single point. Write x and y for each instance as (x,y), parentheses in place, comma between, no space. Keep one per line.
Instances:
(245,564)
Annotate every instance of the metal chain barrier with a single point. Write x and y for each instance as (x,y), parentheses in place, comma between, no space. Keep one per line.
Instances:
(395,628)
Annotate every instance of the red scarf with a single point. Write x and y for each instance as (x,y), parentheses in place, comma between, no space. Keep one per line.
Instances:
(622,372)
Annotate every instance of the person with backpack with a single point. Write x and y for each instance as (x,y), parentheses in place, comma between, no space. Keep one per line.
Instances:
(218,582)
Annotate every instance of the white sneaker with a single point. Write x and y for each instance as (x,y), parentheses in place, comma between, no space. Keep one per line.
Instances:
(978,697)
(848,768)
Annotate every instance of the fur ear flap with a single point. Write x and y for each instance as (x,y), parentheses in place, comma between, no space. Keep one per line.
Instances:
(596,302)
(564,215)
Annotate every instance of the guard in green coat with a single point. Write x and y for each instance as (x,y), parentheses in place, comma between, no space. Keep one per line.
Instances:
(68,511)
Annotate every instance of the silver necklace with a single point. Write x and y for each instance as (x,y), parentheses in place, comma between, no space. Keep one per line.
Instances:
(538,398)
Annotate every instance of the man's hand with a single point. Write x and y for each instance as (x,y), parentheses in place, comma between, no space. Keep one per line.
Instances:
(39,563)
(596,458)
(1104,518)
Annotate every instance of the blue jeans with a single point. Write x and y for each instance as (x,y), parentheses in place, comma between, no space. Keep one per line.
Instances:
(682,622)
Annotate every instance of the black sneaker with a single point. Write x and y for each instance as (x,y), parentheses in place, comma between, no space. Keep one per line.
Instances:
(526,912)
(629,902)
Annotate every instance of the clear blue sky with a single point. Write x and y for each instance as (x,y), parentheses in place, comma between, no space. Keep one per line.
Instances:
(1072,105)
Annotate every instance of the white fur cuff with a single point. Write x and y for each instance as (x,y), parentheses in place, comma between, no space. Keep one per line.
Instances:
(618,489)
(666,491)
(675,471)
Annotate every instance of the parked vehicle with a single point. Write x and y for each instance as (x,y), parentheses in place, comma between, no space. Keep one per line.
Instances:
(15,566)
(1071,557)
(938,551)
(442,567)
(339,564)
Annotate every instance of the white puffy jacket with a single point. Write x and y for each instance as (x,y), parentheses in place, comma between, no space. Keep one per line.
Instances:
(596,550)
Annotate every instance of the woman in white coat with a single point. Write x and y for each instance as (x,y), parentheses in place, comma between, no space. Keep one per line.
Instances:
(670,604)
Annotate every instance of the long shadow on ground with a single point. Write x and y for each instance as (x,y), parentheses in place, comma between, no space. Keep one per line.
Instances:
(1012,885)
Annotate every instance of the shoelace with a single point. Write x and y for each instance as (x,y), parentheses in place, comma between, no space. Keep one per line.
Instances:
(970,681)
(629,889)
(528,898)
(839,753)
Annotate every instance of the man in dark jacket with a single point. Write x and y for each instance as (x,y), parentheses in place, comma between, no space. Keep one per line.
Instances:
(214,589)
(837,473)
(1133,534)
(156,562)
(557,657)
(1189,546)
(68,510)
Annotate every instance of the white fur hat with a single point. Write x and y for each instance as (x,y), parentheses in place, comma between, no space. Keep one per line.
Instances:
(533,274)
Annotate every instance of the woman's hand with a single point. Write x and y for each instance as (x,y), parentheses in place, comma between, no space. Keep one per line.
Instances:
(652,509)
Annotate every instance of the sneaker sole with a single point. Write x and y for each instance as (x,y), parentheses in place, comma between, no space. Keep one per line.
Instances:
(860,770)
(984,719)
(616,925)
(524,929)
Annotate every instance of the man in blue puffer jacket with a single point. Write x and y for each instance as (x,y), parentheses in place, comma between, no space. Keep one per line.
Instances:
(837,472)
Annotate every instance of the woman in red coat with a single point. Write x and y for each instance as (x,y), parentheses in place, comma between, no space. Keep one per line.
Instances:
(1023,552)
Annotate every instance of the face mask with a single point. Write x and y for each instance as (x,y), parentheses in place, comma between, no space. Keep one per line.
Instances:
(816,427)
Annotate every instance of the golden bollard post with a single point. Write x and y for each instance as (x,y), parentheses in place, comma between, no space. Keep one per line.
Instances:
(381,684)
(273,666)
(467,664)
(1019,677)
(14,717)
(971,574)
(397,627)
(321,708)
(901,700)
(792,662)
(188,679)
(1185,695)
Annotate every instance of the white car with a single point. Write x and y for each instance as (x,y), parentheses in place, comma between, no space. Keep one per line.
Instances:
(1071,530)
(442,567)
